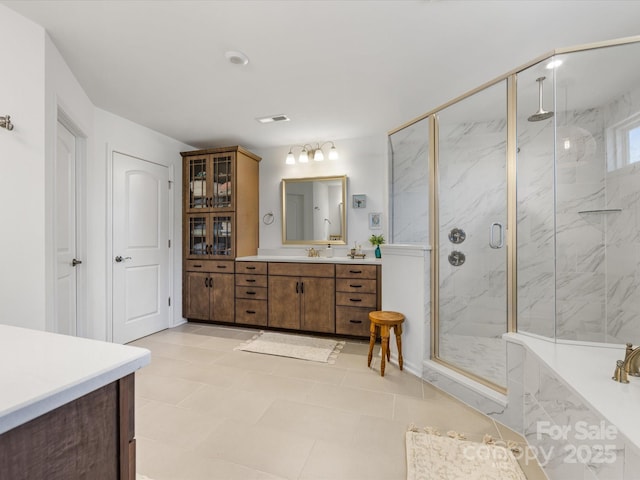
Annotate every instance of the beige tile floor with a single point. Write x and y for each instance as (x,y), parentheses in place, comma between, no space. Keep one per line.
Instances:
(205,411)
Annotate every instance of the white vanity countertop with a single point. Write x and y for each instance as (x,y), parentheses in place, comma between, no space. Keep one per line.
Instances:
(304,259)
(40,371)
(588,370)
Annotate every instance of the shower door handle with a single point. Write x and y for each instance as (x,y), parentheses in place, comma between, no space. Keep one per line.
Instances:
(492,235)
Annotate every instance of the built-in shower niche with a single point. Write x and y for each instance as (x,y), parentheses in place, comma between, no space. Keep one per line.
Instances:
(578,198)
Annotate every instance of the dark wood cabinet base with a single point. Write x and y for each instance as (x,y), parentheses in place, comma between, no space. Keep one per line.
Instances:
(91,437)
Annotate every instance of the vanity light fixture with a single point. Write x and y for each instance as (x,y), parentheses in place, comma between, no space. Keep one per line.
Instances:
(315,152)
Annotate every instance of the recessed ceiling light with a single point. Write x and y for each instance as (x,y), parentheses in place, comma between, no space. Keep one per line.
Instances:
(237,58)
(554,64)
(281,117)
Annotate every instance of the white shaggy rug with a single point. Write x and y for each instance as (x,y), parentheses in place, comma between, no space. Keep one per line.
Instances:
(431,456)
(294,346)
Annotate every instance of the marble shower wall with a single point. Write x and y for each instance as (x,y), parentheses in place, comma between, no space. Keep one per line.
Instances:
(409,189)
(472,196)
(622,232)
(535,235)
(578,270)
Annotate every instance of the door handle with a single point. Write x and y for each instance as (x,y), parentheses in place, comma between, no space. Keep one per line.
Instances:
(122,259)
(75,262)
(492,235)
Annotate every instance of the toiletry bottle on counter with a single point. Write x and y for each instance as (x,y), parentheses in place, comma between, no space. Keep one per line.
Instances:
(329,251)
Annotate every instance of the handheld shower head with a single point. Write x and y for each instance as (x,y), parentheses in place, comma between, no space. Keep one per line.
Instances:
(541,114)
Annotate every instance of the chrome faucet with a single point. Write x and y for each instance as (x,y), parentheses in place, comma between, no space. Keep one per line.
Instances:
(629,366)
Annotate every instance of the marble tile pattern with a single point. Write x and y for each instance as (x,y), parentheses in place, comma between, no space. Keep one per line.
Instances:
(572,441)
(582,270)
(409,184)
(472,196)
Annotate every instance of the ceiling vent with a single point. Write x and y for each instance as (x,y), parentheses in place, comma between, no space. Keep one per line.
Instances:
(274,118)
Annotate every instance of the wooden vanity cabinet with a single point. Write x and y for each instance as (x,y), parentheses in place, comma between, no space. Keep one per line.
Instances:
(220,222)
(209,291)
(302,296)
(357,294)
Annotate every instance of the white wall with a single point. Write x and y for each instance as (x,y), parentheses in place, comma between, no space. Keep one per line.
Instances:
(22,166)
(363,160)
(64,97)
(35,88)
(114,133)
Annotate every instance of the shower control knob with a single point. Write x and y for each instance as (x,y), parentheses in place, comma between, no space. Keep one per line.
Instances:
(457,258)
(457,236)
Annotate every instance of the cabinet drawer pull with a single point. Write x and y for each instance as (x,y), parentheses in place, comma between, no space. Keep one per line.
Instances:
(355,321)
(197,266)
(355,271)
(251,280)
(355,286)
(355,299)
(250,268)
(250,312)
(250,293)
(221,266)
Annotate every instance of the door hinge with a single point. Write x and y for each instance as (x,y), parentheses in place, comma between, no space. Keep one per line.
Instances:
(169,301)
(170,184)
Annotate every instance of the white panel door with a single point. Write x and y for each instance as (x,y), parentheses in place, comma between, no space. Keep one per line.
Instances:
(140,248)
(65,232)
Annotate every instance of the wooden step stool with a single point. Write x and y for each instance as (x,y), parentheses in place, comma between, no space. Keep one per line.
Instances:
(384,321)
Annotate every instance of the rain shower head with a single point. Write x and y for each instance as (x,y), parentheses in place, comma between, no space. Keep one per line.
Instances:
(541,114)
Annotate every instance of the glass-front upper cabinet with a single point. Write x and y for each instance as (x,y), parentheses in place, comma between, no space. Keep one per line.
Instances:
(210,182)
(210,236)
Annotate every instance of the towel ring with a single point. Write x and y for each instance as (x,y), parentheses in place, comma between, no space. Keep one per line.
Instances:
(268,218)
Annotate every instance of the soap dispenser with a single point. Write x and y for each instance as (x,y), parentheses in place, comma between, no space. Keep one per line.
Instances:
(329,251)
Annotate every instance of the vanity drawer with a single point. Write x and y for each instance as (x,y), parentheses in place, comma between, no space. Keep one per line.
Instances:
(254,293)
(256,268)
(355,285)
(251,312)
(356,271)
(356,299)
(353,321)
(212,266)
(302,269)
(251,280)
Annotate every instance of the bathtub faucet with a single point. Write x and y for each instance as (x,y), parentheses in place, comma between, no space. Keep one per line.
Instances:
(629,366)
(631,363)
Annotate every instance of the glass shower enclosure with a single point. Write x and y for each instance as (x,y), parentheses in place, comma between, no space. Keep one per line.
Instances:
(533,198)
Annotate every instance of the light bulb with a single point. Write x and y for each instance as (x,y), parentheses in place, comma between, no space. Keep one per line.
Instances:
(304,157)
(318,156)
(333,153)
(291,160)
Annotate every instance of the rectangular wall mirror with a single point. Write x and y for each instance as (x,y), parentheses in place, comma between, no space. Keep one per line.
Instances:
(313,210)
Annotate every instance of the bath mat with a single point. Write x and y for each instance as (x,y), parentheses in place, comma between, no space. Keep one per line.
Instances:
(294,346)
(431,456)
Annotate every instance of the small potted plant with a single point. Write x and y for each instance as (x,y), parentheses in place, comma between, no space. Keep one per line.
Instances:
(377,240)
